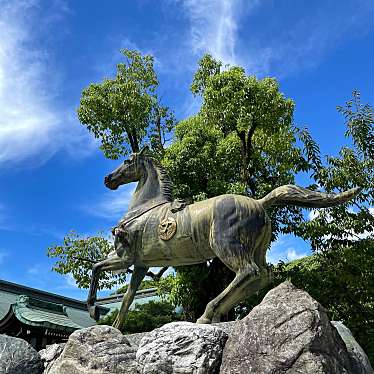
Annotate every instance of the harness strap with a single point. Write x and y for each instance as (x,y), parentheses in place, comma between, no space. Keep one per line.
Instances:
(122,224)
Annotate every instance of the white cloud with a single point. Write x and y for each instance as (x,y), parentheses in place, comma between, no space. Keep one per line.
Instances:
(113,204)
(3,256)
(349,235)
(214,26)
(71,281)
(284,45)
(305,42)
(292,254)
(31,125)
(315,213)
(287,248)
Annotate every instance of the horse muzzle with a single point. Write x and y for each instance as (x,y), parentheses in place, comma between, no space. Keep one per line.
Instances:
(109,183)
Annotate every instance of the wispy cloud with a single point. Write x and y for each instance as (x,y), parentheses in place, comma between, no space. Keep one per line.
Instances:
(3,255)
(113,204)
(40,276)
(349,235)
(214,27)
(32,126)
(287,248)
(282,46)
(292,254)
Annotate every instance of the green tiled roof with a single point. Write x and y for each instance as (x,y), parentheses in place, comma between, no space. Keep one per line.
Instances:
(39,308)
(142,297)
(44,314)
(44,308)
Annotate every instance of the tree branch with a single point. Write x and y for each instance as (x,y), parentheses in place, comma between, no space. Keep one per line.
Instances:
(83,259)
(250,134)
(154,276)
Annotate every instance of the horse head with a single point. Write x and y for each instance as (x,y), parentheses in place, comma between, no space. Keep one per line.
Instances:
(131,170)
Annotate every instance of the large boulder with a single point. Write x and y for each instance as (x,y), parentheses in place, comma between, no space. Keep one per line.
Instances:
(96,350)
(289,332)
(181,347)
(18,357)
(359,360)
(50,354)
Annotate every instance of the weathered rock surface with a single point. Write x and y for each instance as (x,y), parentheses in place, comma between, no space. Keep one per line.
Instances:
(359,360)
(50,354)
(289,332)
(181,347)
(96,350)
(18,357)
(136,338)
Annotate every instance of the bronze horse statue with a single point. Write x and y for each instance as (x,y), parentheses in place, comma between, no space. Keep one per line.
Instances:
(157,231)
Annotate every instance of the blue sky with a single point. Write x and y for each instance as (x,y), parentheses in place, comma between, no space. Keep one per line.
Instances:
(51,172)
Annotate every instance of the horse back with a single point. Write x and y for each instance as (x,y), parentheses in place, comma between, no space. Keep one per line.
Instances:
(181,249)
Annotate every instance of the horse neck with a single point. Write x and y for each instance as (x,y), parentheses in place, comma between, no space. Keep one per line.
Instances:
(150,190)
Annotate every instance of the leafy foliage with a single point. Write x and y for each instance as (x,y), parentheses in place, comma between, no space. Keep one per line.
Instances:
(76,256)
(341,275)
(242,141)
(145,317)
(123,111)
(346,226)
(193,286)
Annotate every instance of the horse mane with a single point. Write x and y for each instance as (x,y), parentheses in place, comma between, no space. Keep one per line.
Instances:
(165,182)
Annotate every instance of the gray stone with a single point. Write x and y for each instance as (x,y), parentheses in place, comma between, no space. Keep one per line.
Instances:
(182,347)
(227,327)
(18,357)
(289,332)
(359,360)
(136,338)
(96,350)
(50,354)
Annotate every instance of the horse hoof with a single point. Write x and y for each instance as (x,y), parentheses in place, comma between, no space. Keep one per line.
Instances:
(203,320)
(216,319)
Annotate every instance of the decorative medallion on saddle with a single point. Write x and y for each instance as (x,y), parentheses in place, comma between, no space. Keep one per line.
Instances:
(167,228)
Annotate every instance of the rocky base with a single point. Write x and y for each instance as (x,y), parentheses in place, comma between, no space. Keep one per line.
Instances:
(17,356)
(289,333)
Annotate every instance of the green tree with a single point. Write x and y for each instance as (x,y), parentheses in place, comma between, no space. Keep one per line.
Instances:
(125,111)
(77,254)
(242,141)
(145,317)
(252,111)
(122,112)
(341,273)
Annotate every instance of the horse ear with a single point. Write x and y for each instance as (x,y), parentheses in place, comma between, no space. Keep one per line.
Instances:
(145,149)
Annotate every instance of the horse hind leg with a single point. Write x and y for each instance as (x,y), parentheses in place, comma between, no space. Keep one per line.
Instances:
(247,260)
(247,287)
(247,281)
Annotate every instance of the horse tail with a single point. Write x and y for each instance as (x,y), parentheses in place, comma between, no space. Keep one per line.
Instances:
(294,195)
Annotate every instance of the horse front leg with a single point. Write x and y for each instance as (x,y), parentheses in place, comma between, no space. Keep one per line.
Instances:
(136,278)
(113,264)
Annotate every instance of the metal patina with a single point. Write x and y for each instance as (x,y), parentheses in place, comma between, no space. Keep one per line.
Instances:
(157,231)
(167,228)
